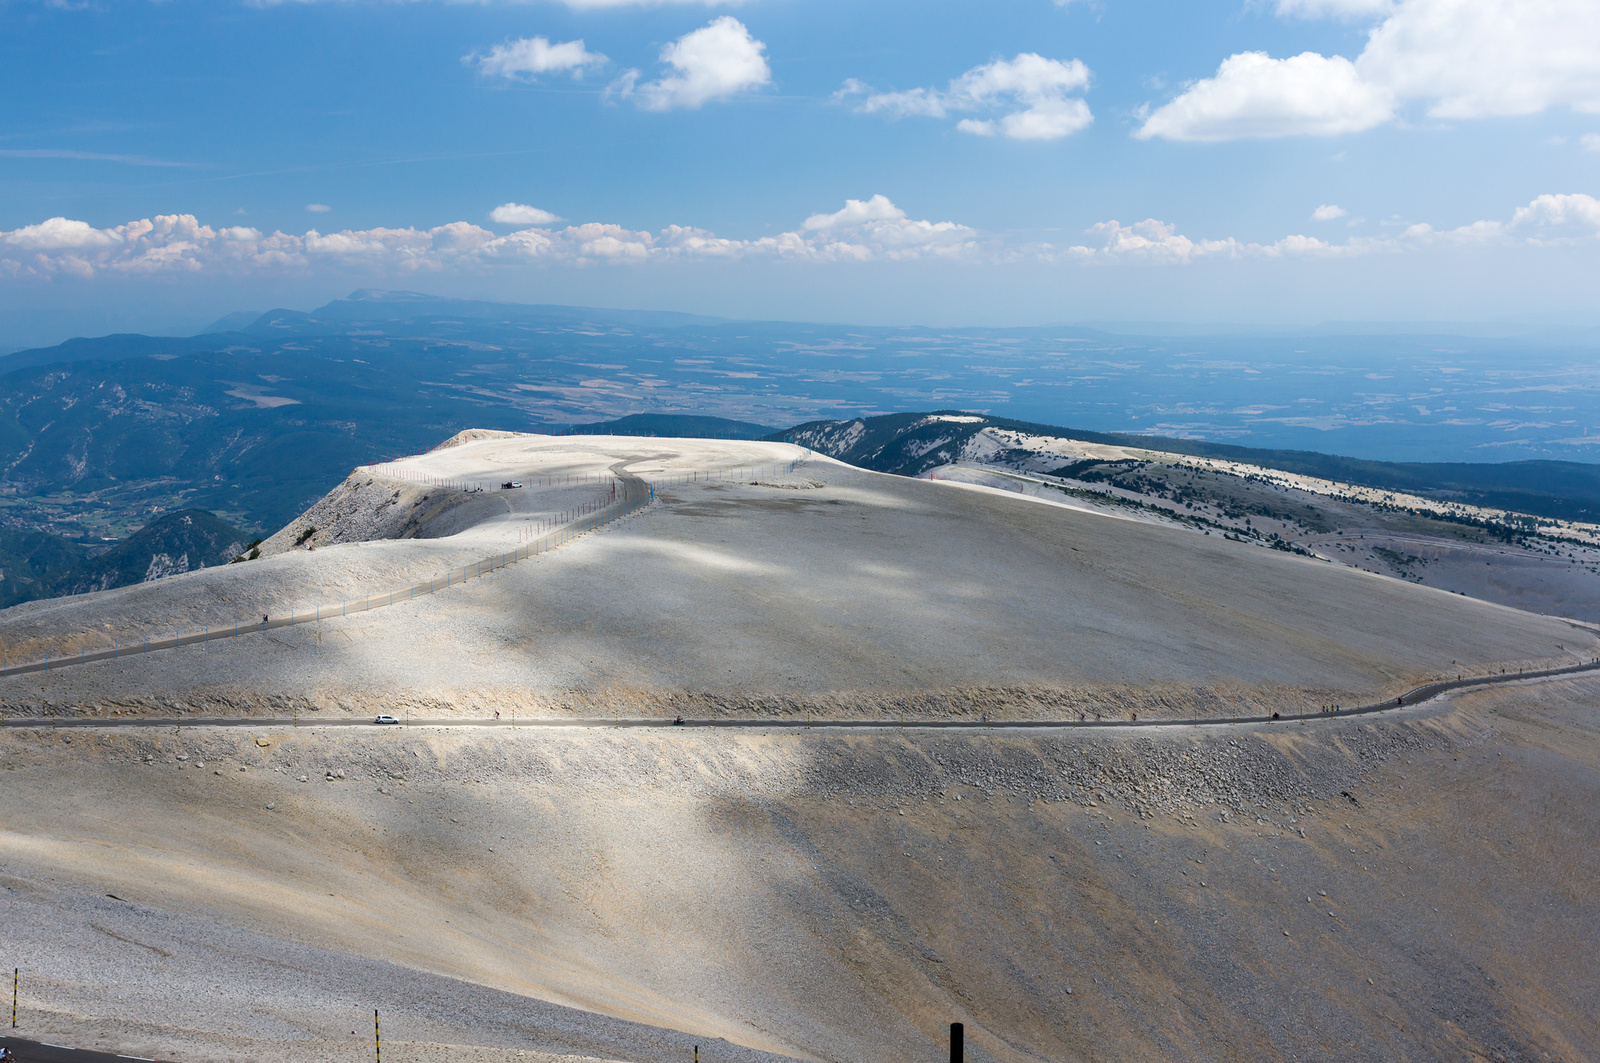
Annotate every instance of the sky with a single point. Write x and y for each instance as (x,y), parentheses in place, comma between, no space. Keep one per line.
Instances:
(890,162)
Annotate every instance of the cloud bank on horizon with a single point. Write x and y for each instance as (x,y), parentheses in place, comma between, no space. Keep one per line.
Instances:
(867,230)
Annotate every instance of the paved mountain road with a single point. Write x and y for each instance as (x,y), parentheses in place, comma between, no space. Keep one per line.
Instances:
(1409,699)
(43,1052)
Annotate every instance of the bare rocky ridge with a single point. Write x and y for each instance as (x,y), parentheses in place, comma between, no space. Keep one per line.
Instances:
(870,596)
(1419,885)
(1537,564)
(366,508)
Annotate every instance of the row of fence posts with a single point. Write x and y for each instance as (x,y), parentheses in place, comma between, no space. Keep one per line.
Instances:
(388,469)
(377,1030)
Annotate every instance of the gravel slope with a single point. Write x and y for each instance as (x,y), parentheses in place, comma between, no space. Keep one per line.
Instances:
(828,590)
(1416,886)
(1151,895)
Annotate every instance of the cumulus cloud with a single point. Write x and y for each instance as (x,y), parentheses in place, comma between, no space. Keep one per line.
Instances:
(1035,95)
(866,228)
(61,234)
(529,57)
(856,213)
(1156,240)
(1458,58)
(714,62)
(521,214)
(1559,218)
(1481,58)
(1327,212)
(1254,95)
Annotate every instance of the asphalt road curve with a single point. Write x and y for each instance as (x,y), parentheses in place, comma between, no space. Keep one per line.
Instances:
(1410,698)
(41,1052)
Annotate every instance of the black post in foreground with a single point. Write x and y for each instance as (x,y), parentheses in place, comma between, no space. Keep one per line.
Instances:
(377,1042)
(956,1047)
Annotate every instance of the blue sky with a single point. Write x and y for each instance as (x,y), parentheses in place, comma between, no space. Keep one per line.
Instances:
(1263,161)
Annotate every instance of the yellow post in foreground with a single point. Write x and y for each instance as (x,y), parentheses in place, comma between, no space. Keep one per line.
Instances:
(377,1042)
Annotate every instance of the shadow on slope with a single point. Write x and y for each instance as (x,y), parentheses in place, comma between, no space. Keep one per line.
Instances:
(1414,888)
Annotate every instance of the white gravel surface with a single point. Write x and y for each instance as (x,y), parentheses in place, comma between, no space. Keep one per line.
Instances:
(1415,887)
(826,590)
(1172,895)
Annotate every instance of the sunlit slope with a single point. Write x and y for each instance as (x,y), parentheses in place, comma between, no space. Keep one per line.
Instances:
(821,589)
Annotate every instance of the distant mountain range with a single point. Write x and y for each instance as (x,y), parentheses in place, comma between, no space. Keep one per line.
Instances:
(40,565)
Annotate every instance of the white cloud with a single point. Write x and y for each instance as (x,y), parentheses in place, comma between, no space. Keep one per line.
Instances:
(1327,212)
(521,214)
(1590,141)
(1034,92)
(875,227)
(60,234)
(1254,95)
(1157,241)
(576,5)
(1562,219)
(1459,58)
(1333,8)
(1559,218)
(856,213)
(714,62)
(921,103)
(531,56)
(1478,58)
(594,5)
(83,156)
(318,208)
